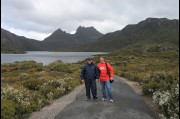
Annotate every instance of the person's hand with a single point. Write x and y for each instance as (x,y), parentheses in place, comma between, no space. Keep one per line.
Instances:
(97,80)
(82,81)
(111,78)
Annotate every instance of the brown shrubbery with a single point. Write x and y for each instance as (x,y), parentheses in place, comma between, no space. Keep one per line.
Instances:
(28,86)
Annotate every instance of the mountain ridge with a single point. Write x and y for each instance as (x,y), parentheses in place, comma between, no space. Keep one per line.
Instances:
(11,42)
(58,40)
(148,31)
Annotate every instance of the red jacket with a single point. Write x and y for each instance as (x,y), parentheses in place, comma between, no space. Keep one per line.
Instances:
(103,71)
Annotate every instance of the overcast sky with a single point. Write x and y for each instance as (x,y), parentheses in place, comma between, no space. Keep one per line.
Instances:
(39,18)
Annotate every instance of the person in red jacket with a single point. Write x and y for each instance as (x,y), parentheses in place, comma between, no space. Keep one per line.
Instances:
(106,75)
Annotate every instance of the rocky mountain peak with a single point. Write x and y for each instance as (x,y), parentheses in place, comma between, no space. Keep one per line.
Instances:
(159,21)
(87,31)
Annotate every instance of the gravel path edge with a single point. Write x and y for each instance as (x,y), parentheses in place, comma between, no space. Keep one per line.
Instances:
(50,111)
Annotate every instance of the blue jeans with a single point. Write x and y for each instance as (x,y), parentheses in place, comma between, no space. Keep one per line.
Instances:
(106,85)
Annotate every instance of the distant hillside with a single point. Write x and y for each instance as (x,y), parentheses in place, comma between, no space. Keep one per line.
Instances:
(152,30)
(60,40)
(57,41)
(160,31)
(13,43)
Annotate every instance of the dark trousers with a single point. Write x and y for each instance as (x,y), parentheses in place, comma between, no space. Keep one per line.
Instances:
(90,85)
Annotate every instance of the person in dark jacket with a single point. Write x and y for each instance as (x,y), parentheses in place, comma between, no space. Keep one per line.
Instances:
(89,75)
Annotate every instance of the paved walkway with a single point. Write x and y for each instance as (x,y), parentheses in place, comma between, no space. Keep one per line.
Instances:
(127,105)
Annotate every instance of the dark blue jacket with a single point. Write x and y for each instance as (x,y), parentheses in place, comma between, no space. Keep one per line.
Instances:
(90,71)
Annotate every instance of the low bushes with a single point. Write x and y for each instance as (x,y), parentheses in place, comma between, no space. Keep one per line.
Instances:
(60,67)
(33,84)
(7,109)
(157,48)
(168,102)
(20,97)
(164,88)
(131,76)
(159,81)
(53,89)
(19,66)
(28,86)
(156,68)
(24,76)
(29,65)
(34,95)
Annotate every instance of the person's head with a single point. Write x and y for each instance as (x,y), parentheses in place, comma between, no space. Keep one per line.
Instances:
(101,59)
(89,60)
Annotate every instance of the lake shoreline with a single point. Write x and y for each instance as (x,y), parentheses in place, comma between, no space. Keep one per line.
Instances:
(47,57)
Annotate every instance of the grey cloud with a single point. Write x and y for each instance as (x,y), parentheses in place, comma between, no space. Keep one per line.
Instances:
(45,16)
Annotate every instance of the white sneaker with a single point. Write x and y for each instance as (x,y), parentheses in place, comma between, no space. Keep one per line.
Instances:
(111,101)
(103,99)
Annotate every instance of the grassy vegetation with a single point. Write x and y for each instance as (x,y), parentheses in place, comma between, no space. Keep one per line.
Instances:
(156,68)
(8,51)
(28,86)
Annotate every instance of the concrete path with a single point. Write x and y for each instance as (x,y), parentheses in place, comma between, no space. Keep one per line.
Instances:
(127,105)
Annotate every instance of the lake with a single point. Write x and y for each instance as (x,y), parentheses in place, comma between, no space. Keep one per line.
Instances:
(46,57)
